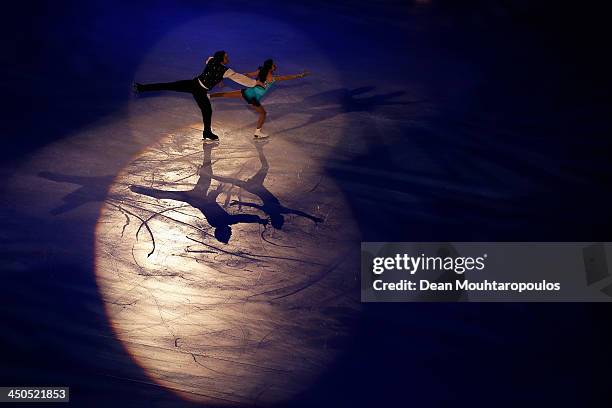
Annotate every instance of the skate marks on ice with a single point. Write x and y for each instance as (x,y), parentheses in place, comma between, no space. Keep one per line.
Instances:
(227,277)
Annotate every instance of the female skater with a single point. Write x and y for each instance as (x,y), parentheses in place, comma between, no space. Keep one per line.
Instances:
(265,78)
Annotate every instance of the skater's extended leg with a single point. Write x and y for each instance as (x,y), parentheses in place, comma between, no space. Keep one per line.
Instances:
(177,86)
(229,94)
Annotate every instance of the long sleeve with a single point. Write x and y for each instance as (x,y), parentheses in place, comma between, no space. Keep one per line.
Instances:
(239,78)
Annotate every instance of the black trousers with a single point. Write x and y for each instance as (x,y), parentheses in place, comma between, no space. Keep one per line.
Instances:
(191,86)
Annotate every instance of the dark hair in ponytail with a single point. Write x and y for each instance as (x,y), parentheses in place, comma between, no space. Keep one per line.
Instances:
(264,70)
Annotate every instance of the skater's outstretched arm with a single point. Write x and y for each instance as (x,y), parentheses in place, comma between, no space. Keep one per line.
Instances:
(239,78)
(288,77)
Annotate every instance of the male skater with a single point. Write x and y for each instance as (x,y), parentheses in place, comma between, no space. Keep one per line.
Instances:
(199,86)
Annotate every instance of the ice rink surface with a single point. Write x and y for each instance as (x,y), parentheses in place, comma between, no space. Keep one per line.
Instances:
(122,280)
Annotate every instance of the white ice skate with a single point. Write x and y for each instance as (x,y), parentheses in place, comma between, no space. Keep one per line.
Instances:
(259,134)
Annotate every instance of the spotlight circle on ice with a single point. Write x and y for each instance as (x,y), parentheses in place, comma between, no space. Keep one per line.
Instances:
(225,292)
